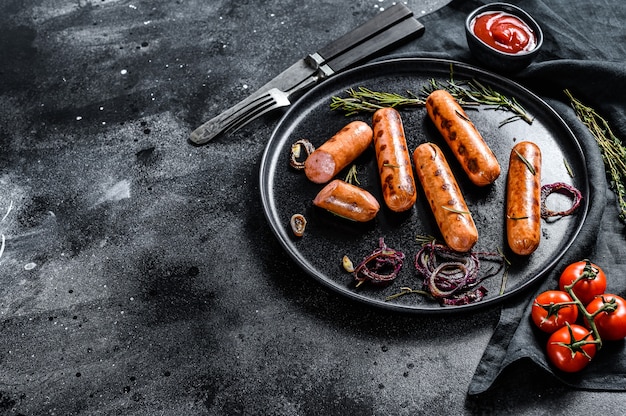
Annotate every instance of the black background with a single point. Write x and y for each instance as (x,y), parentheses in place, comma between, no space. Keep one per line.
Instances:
(139,274)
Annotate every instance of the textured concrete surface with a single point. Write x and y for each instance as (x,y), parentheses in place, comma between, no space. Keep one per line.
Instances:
(139,276)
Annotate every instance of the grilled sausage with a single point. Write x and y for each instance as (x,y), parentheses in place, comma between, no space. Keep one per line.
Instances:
(445,198)
(464,140)
(347,201)
(523,198)
(394,160)
(338,152)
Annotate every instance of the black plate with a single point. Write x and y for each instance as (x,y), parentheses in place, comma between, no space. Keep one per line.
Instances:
(328,238)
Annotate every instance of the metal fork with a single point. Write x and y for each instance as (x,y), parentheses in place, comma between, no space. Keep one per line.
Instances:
(271,100)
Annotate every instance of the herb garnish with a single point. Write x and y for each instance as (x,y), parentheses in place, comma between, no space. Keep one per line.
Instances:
(570,172)
(465,92)
(612,149)
(529,165)
(351,176)
(462,116)
(456,211)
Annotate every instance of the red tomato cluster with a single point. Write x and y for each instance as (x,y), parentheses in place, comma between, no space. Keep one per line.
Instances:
(579,316)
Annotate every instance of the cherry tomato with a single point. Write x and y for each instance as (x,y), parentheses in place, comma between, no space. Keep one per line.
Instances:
(549,314)
(611,324)
(593,283)
(565,353)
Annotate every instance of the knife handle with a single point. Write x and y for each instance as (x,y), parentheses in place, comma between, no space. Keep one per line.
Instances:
(377,44)
(388,29)
(367,30)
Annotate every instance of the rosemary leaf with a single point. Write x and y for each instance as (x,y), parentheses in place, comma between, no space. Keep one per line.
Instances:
(516,218)
(457,211)
(406,291)
(530,167)
(505,275)
(461,116)
(568,168)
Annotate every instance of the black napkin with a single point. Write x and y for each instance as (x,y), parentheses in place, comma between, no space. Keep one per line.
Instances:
(584,51)
(601,239)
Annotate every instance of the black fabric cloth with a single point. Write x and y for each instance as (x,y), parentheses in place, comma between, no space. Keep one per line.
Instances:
(584,51)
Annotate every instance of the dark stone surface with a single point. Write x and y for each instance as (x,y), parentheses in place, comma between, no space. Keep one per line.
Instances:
(139,275)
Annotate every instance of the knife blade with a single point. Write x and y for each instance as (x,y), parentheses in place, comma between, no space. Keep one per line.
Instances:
(354,47)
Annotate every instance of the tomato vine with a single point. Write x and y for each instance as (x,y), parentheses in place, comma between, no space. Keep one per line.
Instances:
(571,346)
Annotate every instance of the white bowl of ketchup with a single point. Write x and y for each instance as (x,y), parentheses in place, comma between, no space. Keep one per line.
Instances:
(503,37)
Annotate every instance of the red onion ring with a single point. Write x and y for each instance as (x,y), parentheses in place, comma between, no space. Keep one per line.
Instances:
(381,266)
(453,278)
(296,160)
(563,188)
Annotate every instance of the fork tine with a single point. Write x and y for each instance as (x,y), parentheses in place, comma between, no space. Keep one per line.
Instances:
(225,121)
(262,102)
(245,118)
(278,99)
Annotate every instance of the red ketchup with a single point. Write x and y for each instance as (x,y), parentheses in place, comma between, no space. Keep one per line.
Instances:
(504,32)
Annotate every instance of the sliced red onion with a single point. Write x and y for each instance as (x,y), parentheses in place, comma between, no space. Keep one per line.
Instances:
(381,266)
(296,158)
(563,188)
(472,296)
(453,278)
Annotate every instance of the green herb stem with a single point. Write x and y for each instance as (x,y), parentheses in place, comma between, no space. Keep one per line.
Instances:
(366,100)
(467,93)
(611,147)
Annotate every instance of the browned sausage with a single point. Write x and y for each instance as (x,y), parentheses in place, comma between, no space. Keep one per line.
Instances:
(338,152)
(394,161)
(347,201)
(463,138)
(445,198)
(523,198)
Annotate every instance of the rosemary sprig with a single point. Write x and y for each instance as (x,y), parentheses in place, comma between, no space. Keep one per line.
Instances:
(405,291)
(424,239)
(351,176)
(465,92)
(612,149)
(366,100)
(474,91)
